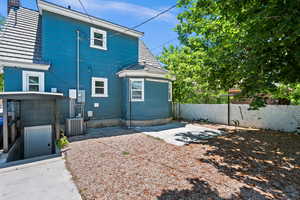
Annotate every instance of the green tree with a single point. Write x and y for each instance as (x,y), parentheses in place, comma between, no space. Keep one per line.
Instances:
(189,86)
(290,93)
(253,45)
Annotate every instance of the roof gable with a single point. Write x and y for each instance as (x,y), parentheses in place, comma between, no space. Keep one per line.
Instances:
(50,7)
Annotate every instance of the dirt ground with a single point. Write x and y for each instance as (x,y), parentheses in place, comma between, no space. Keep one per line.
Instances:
(243,164)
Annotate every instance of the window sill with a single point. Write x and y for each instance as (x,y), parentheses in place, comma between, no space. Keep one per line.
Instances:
(99,96)
(97,47)
(137,100)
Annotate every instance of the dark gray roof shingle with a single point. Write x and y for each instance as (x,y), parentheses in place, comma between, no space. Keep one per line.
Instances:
(147,62)
(20,38)
(145,55)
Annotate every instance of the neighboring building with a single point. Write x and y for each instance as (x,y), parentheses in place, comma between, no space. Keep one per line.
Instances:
(119,80)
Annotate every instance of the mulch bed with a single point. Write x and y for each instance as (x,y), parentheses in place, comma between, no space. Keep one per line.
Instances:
(244,164)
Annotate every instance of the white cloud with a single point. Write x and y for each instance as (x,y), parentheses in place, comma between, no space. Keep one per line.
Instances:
(142,12)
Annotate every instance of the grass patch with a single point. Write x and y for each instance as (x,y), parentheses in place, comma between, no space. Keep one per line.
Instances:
(125,153)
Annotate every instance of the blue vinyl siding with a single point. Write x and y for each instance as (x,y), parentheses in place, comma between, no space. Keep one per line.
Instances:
(59,49)
(154,106)
(12,79)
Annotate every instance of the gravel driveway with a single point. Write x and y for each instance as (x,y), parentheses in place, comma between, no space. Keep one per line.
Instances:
(131,165)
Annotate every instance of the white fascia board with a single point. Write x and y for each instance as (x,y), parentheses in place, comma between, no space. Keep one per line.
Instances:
(157,80)
(128,73)
(28,92)
(33,66)
(42,5)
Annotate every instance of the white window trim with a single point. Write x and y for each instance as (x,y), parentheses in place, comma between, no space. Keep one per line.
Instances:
(25,76)
(94,30)
(170,91)
(94,79)
(143,89)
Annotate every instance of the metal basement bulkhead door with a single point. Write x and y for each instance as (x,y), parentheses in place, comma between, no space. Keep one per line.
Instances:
(37,141)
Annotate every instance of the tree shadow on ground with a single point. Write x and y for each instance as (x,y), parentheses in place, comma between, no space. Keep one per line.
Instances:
(202,190)
(266,162)
(194,137)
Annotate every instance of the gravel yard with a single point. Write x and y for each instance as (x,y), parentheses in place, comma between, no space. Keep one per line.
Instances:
(243,164)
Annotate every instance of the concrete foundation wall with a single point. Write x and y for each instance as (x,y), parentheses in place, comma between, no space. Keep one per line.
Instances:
(274,117)
(120,122)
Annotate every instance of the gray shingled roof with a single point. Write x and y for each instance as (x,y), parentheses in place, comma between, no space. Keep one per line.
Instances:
(147,62)
(145,55)
(20,39)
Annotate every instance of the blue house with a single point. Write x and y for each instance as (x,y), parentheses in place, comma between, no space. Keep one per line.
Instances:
(105,70)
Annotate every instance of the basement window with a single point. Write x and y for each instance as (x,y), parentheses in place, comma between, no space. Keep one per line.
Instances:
(99,87)
(98,39)
(33,81)
(137,89)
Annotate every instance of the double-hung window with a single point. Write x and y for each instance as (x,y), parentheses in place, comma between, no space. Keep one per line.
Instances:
(137,89)
(170,92)
(98,39)
(33,81)
(99,87)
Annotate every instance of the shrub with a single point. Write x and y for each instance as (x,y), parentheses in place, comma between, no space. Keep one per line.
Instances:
(62,142)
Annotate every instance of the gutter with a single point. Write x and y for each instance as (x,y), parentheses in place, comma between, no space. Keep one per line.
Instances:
(132,73)
(23,65)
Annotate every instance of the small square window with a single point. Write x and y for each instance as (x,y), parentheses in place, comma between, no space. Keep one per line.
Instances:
(137,89)
(98,39)
(99,87)
(33,81)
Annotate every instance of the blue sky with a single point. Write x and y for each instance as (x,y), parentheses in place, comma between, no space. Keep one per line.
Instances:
(128,13)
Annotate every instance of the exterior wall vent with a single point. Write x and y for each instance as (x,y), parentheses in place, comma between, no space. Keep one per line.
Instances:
(74,127)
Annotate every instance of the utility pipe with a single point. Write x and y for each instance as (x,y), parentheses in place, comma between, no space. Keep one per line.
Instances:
(78,65)
(228,108)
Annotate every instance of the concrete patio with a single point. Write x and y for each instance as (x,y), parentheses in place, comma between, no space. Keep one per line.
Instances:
(175,133)
(47,179)
(180,134)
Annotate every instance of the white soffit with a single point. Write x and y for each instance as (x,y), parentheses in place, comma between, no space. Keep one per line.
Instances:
(127,73)
(34,66)
(42,5)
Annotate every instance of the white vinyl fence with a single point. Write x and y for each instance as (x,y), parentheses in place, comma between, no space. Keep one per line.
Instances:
(274,117)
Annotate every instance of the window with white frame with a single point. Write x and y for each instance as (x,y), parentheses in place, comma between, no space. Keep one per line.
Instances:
(137,89)
(33,81)
(98,39)
(170,91)
(99,87)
